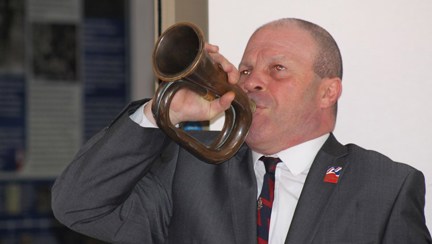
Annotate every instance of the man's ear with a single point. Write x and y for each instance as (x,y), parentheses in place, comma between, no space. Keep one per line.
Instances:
(331,90)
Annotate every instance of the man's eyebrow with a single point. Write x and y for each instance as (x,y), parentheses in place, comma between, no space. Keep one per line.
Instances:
(244,64)
(278,57)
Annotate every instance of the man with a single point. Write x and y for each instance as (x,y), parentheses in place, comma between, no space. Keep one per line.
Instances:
(131,184)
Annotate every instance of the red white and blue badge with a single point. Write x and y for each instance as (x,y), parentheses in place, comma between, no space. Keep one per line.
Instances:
(332,175)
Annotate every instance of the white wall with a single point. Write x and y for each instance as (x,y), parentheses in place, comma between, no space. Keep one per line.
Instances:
(143,32)
(387,50)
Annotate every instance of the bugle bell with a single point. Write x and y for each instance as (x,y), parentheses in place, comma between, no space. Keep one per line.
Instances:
(180,61)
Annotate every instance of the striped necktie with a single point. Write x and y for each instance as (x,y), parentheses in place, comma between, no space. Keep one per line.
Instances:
(265,200)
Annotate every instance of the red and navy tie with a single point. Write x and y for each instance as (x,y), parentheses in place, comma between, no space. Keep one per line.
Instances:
(265,200)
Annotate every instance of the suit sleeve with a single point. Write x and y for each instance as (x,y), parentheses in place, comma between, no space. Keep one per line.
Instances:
(407,222)
(117,187)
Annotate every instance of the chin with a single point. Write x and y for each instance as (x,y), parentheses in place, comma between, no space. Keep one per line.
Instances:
(254,138)
(258,123)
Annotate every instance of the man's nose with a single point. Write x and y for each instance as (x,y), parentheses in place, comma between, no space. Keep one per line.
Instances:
(253,82)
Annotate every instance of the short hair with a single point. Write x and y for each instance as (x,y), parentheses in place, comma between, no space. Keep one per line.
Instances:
(328,62)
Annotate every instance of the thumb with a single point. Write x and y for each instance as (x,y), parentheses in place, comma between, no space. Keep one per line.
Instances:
(221,104)
(226,100)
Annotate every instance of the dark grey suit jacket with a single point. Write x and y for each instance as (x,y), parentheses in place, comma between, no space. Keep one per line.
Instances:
(130,184)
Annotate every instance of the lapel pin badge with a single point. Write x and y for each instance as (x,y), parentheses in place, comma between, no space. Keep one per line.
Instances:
(332,174)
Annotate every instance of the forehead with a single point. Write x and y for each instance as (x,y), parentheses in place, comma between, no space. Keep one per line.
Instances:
(287,41)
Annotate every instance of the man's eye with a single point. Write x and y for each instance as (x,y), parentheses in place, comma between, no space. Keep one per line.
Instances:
(245,72)
(279,67)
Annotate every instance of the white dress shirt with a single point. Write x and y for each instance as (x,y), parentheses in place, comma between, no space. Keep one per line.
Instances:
(290,177)
(139,117)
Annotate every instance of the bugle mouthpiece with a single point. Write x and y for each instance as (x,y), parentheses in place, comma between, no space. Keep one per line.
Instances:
(252,105)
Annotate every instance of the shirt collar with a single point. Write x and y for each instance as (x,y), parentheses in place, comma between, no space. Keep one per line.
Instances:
(300,157)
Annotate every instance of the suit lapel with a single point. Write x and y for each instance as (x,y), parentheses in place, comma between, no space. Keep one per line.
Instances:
(316,193)
(243,193)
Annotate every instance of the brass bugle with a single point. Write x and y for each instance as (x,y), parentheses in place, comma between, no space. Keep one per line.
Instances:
(181,61)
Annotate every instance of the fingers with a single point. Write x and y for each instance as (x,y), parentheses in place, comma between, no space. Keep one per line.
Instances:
(221,104)
(227,66)
(188,105)
(210,48)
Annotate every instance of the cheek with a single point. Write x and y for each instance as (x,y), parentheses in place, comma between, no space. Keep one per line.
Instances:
(290,109)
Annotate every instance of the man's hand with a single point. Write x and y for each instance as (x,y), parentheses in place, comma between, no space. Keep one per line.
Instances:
(227,66)
(189,106)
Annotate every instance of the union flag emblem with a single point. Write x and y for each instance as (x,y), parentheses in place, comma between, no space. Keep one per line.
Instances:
(332,175)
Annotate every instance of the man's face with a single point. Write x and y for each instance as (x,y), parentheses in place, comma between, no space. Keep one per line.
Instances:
(277,73)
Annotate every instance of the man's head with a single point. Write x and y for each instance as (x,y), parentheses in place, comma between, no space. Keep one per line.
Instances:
(292,69)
